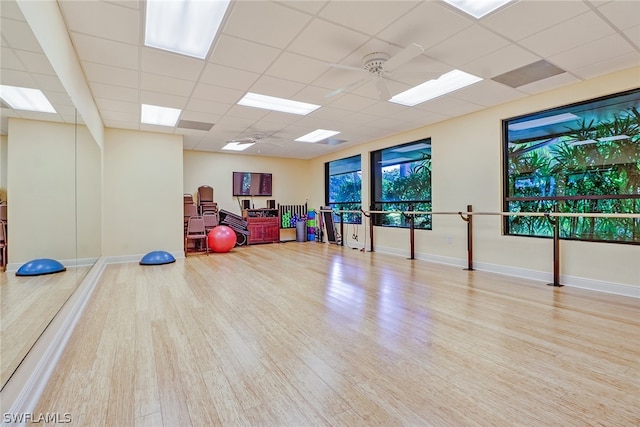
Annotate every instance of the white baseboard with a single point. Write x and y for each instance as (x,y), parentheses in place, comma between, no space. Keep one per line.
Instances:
(12,267)
(21,394)
(573,281)
(123,259)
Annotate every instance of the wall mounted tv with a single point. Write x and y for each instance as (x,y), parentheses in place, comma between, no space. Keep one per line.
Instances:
(252,184)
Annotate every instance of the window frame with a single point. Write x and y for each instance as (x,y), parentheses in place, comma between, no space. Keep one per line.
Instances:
(349,218)
(421,222)
(571,202)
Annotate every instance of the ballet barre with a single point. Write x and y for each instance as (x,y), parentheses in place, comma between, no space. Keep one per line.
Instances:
(467,216)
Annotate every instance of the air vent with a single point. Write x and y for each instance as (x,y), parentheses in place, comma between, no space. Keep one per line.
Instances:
(528,74)
(188,124)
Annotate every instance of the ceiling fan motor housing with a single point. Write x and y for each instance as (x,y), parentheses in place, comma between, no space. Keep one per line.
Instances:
(374,62)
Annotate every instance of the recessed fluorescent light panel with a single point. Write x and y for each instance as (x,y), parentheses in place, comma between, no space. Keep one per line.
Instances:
(277,104)
(446,83)
(234,146)
(187,27)
(544,121)
(317,135)
(155,115)
(27,99)
(477,8)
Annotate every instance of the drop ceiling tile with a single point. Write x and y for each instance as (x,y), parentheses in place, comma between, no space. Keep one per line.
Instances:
(10,60)
(101,73)
(633,34)
(120,93)
(168,85)
(367,16)
(228,77)
(609,65)
(572,33)
(200,116)
(623,14)
(428,24)
(352,102)
(200,105)
(272,86)
(467,46)
(505,59)
(361,118)
(220,94)
(450,107)
(310,6)
(102,19)
(108,52)
(163,99)
(487,93)
(298,68)
(17,78)
(49,83)
(581,56)
(550,83)
(525,18)
(384,109)
(121,116)
(330,114)
(114,105)
(326,41)
(10,9)
(247,114)
(18,35)
(245,55)
(265,22)
(35,62)
(171,64)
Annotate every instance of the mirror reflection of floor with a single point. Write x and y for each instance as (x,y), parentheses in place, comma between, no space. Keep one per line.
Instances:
(27,306)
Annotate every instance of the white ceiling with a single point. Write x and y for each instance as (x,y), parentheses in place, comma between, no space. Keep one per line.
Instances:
(282,49)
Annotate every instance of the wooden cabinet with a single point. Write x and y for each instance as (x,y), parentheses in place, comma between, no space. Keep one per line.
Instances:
(263,225)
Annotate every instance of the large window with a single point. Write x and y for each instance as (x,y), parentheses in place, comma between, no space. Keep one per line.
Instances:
(343,189)
(400,182)
(581,158)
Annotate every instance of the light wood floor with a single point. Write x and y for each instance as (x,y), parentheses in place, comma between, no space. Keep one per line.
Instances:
(27,306)
(310,334)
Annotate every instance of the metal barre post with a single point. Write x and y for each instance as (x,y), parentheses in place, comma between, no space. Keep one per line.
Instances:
(469,220)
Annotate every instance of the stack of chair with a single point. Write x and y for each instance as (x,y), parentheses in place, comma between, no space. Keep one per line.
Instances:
(205,200)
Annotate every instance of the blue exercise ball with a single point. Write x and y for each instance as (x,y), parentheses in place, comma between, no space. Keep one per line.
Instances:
(40,266)
(157,258)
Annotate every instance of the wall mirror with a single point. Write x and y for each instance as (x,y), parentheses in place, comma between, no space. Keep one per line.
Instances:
(50,167)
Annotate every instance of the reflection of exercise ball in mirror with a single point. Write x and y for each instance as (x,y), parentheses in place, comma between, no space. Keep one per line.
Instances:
(40,266)
(221,239)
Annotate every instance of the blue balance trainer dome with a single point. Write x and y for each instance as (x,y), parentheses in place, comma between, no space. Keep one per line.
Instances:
(37,267)
(157,258)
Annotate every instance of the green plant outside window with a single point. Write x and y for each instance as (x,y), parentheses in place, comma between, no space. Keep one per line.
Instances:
(583,158)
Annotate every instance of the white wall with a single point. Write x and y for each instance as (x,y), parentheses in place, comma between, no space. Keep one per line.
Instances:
(41,172)
(142,204)
(292,183)
(88,195)
(467,169)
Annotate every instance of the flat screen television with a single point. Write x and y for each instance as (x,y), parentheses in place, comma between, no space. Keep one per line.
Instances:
(252,184)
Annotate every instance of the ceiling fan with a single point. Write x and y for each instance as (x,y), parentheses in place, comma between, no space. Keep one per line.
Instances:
(258,138)
(380,66)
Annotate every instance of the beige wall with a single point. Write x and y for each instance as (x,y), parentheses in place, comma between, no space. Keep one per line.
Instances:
(142,204)
(292,183)
(41,170)
(467,170)
(88,195)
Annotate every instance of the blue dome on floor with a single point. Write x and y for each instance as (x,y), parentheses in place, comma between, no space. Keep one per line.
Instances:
(157,258)
(40,266)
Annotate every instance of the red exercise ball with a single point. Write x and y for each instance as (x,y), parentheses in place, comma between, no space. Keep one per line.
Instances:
(221,239)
